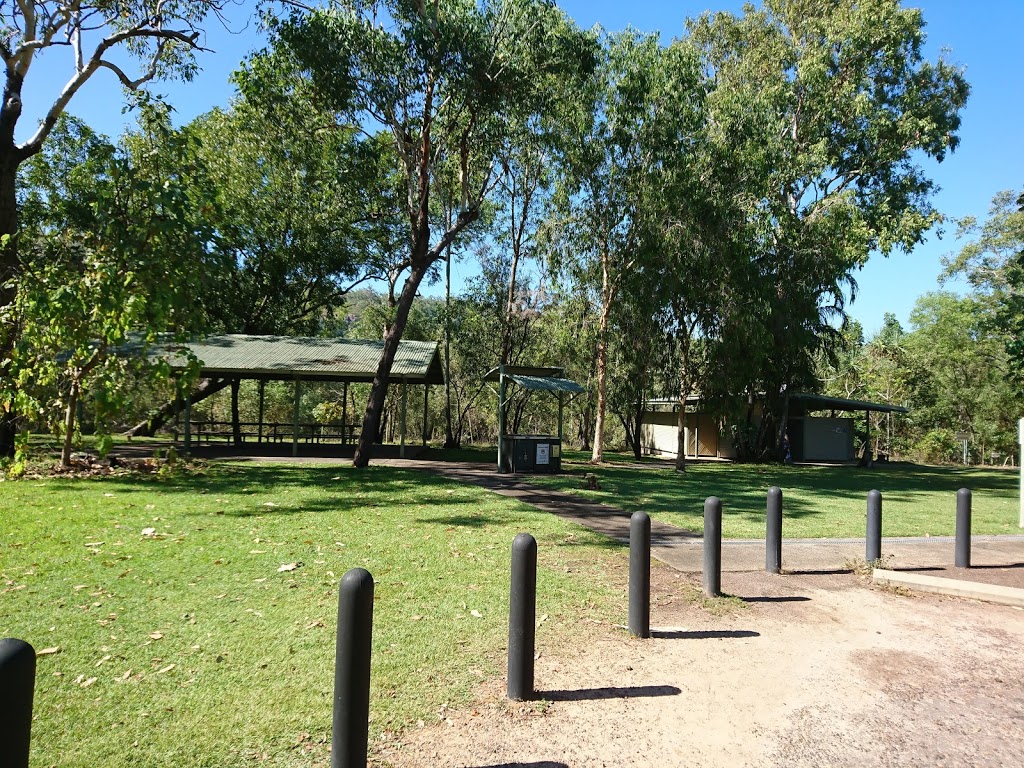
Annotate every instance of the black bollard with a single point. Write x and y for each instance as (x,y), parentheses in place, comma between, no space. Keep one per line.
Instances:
(873,539)
(963,528)
(522,613)
(640,575)
(352,670)
(773,531)
(17,684)
(713,547)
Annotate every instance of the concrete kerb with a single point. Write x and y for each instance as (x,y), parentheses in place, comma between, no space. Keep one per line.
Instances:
(990,593)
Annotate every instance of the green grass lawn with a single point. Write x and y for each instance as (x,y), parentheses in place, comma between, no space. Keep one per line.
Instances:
(818,501)
(183,643)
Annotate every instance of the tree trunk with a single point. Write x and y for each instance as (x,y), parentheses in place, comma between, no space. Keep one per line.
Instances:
(375,402)
(681,435)
(781,432)
(9,276)
(450,441)
(168,411)
(638,420)
(69,425)
(602,374)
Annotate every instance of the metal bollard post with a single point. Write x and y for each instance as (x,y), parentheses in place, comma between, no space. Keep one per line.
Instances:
(713,547)
(640,575)
(17,685)
(352,670)
(873,539)
(773,531)
(522,612)
(963,528)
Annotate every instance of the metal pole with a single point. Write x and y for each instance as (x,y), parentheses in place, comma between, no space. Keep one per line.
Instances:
(501,419)
(640,575)
(17,684)
(522,613)
(344,413)
(873,539)
(963,528)
(561,409)
(426,408)
(295,417)
(263,392)
(713,547)
(352,670)
(773,531)
(188,423)
(405,411)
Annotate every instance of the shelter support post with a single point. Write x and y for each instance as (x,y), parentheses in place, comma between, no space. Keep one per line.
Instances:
(867,432)
(426,407)
(501,419)
(405,411)
(561,406)
(188,423)
(259,428)
(295,417)
(344,411)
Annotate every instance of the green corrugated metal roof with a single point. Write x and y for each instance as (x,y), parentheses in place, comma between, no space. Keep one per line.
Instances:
(546,383)
(290,357)
(845,404)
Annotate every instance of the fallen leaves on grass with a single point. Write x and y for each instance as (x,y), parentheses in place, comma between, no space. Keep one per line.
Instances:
(49,651)
(289,567)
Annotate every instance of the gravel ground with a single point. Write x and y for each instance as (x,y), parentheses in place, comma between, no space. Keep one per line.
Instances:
(816,670)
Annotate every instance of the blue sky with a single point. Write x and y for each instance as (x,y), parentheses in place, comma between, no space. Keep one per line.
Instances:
(985,39)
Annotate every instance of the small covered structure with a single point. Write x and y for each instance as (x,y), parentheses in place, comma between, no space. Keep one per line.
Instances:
(812,436)
(530,453)
(300,359)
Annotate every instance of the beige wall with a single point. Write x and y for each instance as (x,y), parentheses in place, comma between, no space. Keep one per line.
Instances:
(659,434)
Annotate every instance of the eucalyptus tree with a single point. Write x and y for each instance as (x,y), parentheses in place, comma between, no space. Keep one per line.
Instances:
(444,81)
(301,209)
(610,172)
(993,263)
(830,107)
(137,41)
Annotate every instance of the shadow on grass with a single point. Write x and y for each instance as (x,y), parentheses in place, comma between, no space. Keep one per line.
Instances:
(244,491)
(611,692)
(743,487)
(703,634)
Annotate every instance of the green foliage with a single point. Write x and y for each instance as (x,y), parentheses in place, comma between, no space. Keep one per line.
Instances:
(107,270)
(301,208)
(993,263)
(824,108)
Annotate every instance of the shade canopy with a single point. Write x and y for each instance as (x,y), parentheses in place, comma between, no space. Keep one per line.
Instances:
(308,358)
(537,379)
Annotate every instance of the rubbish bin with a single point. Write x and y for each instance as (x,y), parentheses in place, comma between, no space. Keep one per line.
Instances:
(532,454)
